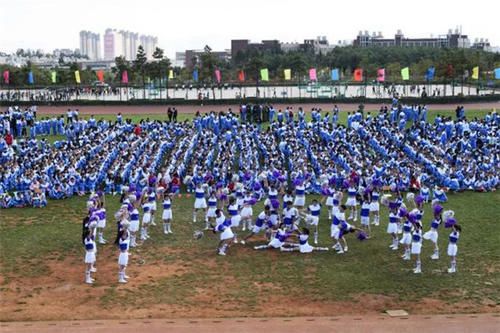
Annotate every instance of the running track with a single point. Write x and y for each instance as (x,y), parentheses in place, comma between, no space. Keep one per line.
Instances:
(162,109)
(483,323)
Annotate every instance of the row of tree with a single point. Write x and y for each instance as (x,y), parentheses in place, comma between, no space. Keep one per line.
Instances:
(450,64)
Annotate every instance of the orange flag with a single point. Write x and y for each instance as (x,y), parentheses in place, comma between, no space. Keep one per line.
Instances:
(100,76)
(358,75)
(241,76)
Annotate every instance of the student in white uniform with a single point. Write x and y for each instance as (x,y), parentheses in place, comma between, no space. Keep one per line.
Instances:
(167,213)
(351,202)
(453,248)
(365,215)
(416,247)
(101,224)
(433,234)
(223,226)
(375,207)
(392,226)
(123,245)
(90,257)
(290,214)
(212,207)
(200,204)
(247,212)
(146,219)
(312,217)
(234,216)
(303,245)
(261,223)
(406,238)
(300,197)
(278,239)
(134,221)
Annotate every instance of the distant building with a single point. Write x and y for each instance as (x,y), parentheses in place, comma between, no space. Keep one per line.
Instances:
(318,45)
(90,45)
(452,40)
(180,59)
(193,57)
(243,45)
(482,44)
(125,43)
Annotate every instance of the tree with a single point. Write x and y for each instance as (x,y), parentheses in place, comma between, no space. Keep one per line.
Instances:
(139,66)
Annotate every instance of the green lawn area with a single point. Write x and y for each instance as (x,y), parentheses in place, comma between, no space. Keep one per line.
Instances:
(33,241)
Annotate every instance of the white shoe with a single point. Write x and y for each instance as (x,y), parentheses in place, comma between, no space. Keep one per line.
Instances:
(170,232)
(102,241)
(122,281)
(89,281)
(244,228)
(451,270)
(406,258)
(126,277)
(152,223)
(340,252)
(206,228)
(242,242)
(394,248)
(435,256)
(222,253)
(165,232)
(315,241)
(417,271)
(93,270)
(345,249)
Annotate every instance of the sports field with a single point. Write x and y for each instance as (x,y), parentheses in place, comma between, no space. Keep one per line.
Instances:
(42,270)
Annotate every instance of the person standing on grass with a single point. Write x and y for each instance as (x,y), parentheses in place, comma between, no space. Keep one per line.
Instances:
(174,115)
(452,246)
(374,205)
(365,215)
(261,223)
(312,218)
(123,245)
(247,211)
(167,213)
(416,247)
(223,226)
(235,216)
(432,234)
(200,204)
(101,224)
(90,256)
(134,220)
(351,202)
(392,226)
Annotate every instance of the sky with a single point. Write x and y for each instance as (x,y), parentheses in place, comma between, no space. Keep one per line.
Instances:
(192,24)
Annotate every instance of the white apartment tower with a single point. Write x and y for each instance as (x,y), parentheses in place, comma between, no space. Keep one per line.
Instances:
(90,44)
(125,43)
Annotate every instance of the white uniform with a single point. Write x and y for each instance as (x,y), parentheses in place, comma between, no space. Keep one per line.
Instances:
(200,202)
(152,200)
(102,218)
(260,223)
(271,195)
(329,199)
(300,196)
(365,213)
(124,246)
(278,239)
(134,221)
(406,239)
(225,229)
(289,215)
(452,245)
(374,204)
(246,211)
(212,207)
(89,250)
(416,242)
(234,215)
(304,246)
(146,218)
(167,209)
(351,197)
(314,212)
(338,218)
(432,234)
(392,226)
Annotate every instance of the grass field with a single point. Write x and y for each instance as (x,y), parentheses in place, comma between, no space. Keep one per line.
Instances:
(42,270)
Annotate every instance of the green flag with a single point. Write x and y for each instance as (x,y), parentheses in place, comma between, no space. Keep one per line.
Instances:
(405,74)
(264,74)
(53,75)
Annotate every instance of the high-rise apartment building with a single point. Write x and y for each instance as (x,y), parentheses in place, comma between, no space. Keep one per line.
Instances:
(125,43)
(90,45)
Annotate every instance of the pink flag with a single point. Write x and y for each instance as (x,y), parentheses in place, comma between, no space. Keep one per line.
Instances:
(312,74)
(381,74)
(217,75)
(124,77)
(6,77)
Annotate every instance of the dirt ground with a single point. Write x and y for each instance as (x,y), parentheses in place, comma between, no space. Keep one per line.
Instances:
(62,295)
(160,109)
(347,324)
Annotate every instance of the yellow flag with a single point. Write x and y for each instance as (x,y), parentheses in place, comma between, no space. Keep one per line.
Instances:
(288,74)
(171,74)
(475,73)
(405,74)
(264,74)
(77,77)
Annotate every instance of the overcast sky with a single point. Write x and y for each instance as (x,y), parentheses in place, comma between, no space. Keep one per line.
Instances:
(188,24)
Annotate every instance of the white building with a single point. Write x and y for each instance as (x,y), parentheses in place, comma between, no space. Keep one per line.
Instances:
(90,45)
(125,43)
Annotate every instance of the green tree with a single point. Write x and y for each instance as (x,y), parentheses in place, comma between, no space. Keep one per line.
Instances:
(140,67)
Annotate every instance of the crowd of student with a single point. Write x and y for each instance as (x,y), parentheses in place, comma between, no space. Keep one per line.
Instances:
(96,154)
